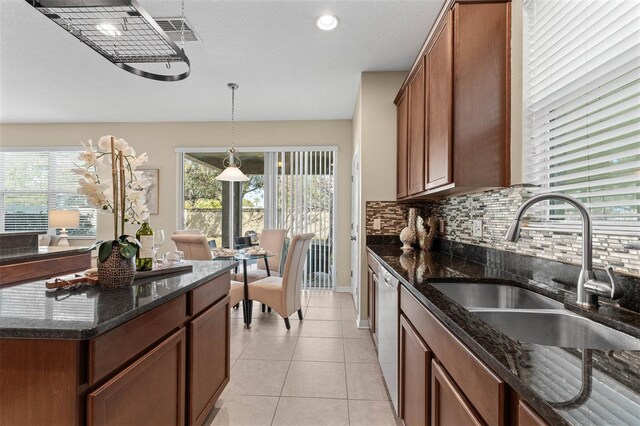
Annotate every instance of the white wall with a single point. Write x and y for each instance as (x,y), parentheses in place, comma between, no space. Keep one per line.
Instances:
(160,140)
(375,135)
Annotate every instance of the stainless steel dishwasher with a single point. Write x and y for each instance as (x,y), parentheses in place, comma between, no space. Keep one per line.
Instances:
(387,331)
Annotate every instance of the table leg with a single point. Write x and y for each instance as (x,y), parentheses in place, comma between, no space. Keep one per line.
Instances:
(247,305)
(266,264)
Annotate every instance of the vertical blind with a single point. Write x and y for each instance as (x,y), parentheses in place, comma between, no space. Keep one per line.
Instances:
(305,203)
(34,182)
(582,110)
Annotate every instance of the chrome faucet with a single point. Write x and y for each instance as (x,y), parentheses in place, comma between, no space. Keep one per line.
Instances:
(588,287)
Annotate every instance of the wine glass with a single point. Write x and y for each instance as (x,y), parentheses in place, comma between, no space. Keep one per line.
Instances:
(158,239)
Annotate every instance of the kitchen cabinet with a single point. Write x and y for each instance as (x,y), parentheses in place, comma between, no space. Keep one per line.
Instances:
(462,113)
(209,358)
(416,125)
(415,372)
(148,392)
(457,377)
(167,365)
(439,111)
(372,282)
(372,295)
(402,139)
(448,405)
(528,417)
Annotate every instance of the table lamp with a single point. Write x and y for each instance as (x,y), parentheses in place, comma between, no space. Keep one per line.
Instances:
(64,219)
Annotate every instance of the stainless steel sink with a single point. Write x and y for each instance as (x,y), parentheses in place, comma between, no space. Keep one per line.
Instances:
(475,295)
(557,328)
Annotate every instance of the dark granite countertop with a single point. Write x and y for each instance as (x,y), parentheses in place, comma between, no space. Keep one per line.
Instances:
(31,311)
(37,253)
(549,378)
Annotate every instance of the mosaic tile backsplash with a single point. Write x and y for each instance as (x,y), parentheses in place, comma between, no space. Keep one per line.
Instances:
(496,209)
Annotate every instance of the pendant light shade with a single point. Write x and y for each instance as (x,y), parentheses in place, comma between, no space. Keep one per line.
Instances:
(232,163)
(232,174)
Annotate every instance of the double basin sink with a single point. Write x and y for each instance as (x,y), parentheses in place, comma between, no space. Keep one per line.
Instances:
(530,317)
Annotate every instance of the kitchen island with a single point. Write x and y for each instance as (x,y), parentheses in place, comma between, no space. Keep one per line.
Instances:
(153,353)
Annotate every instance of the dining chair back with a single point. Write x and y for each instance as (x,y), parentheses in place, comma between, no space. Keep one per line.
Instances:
(195,247)
(272,240)
(292,273)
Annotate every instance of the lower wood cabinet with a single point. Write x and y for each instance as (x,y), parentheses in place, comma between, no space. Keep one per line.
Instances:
(209,359)
(528,417)
(441,382)
(372,282)
(448,405)
(148,392)
(415,373)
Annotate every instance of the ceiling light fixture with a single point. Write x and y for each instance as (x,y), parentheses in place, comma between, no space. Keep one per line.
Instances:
(132,36)
(327,22)
(232,163)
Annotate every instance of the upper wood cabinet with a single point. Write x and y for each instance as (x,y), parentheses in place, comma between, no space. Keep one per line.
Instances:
(481,88)
(462,111)
(440,101)
(416,162)
(401,178)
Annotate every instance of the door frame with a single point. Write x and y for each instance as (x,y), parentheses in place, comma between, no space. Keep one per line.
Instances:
(355,229)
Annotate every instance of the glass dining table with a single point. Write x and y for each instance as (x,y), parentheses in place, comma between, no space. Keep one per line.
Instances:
(247,305)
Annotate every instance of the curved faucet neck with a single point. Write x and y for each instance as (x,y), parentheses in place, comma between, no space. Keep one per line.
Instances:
(587,255)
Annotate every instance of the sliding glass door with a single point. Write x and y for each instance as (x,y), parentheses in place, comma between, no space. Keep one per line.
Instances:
(292,189)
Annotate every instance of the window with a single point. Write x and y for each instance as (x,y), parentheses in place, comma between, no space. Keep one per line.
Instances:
(34,182)
(582,109)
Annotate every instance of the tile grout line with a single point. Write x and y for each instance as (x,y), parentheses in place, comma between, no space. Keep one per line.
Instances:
(273,418)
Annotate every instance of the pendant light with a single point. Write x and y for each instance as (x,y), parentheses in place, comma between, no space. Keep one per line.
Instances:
(232,163)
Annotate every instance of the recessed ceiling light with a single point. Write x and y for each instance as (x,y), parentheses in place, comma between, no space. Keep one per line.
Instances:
(108,30)
(327,22)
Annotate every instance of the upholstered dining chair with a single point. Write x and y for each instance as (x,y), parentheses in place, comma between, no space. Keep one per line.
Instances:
(282,294)
(271,240)
(194,246)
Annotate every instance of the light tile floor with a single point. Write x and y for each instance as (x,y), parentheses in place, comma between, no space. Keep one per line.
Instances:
(324,371)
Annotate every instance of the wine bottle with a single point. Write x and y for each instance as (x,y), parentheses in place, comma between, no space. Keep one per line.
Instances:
(144,257)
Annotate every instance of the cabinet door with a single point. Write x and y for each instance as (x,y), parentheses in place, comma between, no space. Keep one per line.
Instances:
(439,107)
(371,301)
(149,392)
(448,405)
(415,376)
(209,359)
(481,93)
(416,132)
(528,417)
(401,153)
(374,312)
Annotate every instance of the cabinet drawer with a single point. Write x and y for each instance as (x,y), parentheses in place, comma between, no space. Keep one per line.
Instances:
(118,346)
(448,406)
(208,293)
(148,392)
(481,386)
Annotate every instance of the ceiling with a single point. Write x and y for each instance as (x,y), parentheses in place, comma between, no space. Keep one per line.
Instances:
(286,67)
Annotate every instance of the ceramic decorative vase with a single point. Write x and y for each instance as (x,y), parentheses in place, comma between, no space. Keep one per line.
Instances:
(425,239)
(409,233)
(116,270)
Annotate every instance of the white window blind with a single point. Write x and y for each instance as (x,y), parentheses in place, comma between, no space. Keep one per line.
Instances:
(34,182)
(582,110)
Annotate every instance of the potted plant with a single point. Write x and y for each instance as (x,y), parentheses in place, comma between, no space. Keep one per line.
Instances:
(110,182)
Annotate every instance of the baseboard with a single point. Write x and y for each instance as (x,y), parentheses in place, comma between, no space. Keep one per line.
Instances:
(363,324)
(342,289)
